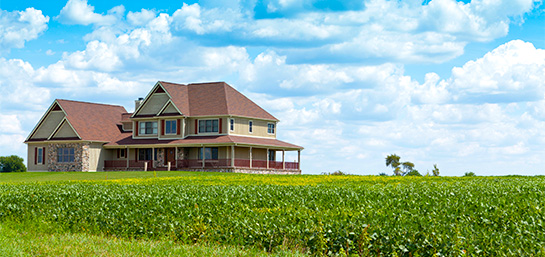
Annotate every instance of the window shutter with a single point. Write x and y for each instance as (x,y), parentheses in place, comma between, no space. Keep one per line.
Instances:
(220,125)
(162,127)
(35,155)
(178,126)
(43,155)
(196,126)
(136,128)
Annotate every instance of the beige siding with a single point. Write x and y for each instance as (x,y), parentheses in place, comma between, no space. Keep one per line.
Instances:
(49,124)
(65,131)
(31,155)
(170,109)
(259,128)
(97,155)
(154,104)
(190,128)
(127,126)
(259,154)
(242,153)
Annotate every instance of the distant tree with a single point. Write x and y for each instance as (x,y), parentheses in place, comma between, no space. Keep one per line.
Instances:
(413,173)
(470,174)
(435,170)
(392,160)
(382,174)
(407,167)
(12,163)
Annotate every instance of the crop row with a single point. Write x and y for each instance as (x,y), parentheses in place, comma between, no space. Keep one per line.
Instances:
(420,217)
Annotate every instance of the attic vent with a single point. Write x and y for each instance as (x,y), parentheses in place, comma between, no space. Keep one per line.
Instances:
(56,108)
(159,90)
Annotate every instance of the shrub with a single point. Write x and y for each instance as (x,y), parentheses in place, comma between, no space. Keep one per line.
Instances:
(12,163)
(470,174)
(414,173)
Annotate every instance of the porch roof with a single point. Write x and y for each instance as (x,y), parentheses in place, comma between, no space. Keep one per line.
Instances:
(127,140)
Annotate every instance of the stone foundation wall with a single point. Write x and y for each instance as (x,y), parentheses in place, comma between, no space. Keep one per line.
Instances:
(81,157)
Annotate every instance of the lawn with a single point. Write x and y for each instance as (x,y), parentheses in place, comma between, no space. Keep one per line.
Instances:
(286,215)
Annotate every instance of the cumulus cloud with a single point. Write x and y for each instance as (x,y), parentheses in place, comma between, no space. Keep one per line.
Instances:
(81,13)
(18,27)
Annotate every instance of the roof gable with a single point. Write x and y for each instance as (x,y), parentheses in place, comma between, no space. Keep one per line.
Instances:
(91,121)
(154,102)
(48,123)
(63,131)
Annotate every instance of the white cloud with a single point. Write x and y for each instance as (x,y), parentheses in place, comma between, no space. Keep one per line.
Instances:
(81,13)
(18,27)
(9,124)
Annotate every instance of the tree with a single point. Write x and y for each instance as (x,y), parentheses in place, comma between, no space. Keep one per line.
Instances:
(435,170)
(408,167)
(469,174)
(413,173)
(392,160)
(12,163)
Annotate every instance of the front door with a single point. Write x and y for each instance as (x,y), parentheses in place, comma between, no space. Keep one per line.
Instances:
(170,156)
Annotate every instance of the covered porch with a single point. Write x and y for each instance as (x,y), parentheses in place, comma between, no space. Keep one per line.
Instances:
(223,158)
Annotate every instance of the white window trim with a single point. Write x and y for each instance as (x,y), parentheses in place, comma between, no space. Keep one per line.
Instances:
(42,156)
(124,151)
(175,130)
(231,120)
(251,127)
(207,133)
(144,134)
(274,128)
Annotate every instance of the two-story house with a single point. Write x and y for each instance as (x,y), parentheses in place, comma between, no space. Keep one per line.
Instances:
(203,126)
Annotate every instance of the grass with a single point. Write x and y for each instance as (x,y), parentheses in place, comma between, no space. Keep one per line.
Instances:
(28,239)
(76,176)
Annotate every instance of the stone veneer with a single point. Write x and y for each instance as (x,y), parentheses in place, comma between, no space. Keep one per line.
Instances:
(81,157)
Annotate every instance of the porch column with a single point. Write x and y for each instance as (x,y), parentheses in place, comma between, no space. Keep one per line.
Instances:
(127,155)
(298,159)
(283,162)
(176,156)
(203,157)
(250,157)
(268,158)
(232,156)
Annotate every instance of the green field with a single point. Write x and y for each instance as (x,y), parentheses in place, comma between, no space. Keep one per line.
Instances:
(285,215)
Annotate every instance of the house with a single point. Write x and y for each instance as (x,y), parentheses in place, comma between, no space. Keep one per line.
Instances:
(202,126)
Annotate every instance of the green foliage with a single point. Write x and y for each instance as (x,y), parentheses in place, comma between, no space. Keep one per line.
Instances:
(318,215)
(382,174)
(12,163)
(469,174)
(392,160)
(335,173)
(413,173)
(435,170)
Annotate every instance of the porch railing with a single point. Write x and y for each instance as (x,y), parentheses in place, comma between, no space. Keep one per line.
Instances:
(195,164)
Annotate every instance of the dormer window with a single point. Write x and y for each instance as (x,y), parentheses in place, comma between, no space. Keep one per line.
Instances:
(148,128)
(270,128)
(251,127)
(208,126)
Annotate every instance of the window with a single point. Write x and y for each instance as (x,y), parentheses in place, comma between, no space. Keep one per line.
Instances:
(232,124)
(148,128)
(170,127)
(206,126)
(272,155)
(250,126)
(210,153)
(144,154)
(270,128)
(65,154)
(121,153)
(40,155)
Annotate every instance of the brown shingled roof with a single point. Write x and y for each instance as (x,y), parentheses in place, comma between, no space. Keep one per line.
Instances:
(93,122)
(127,140)
(214,98)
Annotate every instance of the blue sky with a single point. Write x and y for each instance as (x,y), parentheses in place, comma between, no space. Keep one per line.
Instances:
(457,84)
